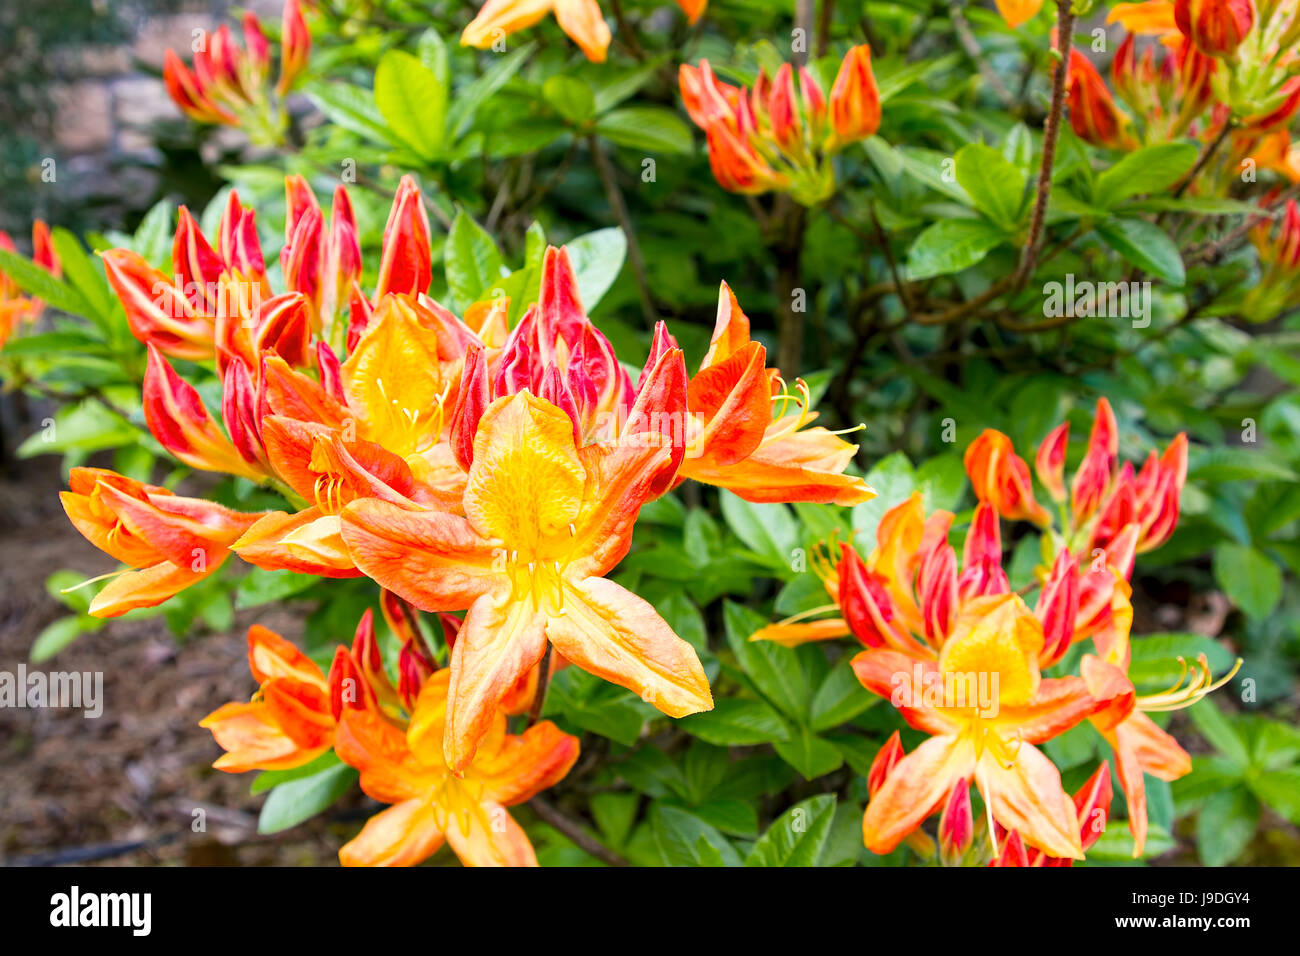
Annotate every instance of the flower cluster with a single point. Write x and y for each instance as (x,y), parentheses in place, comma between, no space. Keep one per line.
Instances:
(461,464)
(962,656)
(15,306)
(781,134)
(393,735)
(231,86)
(1227,67)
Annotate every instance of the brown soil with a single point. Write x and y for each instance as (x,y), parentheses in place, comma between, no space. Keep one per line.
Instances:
(72,786)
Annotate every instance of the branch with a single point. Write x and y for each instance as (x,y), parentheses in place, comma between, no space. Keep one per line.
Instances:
(1051,132)
(574,831)
(615,197)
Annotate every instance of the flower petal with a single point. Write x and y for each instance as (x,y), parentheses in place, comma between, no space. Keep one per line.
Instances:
(916,786)
(1027,797)
(610,632)
(403,835)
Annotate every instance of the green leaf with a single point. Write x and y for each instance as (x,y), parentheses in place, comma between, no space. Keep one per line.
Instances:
(1115,845)
(951,246)
(57,635)
(570,97)
(840,698)
(995,186)
(260,587)
(615,815)
(471,260)
(653,129)
(597,259)
(775,670)
(1155,665)
(86,275)
(798,837)
(1248,577)
(291,803)
(1280,789)
(412,101)
(1215,727)
(1226,823)
(468,99)
(809,754)
(767,529)
(685,840)
(34,280)
(735,722)
(270,779)
(353,108)
(1146,170)
(894,480)
(1146,246)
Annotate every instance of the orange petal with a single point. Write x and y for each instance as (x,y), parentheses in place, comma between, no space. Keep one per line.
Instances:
(527,764)
(146,587)
(403,835)
(733,397)
(1059,704)
(308,542)
(1027,797)
(253,740)
(583,21)
(499,641)
(486,835)
(435,561)
(916,786)
(902,680)
(802,632)
(610,632)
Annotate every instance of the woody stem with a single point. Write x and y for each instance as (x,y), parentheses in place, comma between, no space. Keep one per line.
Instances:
(1051,132)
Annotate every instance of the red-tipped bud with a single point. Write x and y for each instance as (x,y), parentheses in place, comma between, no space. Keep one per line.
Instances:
(783,110)
(982,572)
(886,759)
(1092,805)
(283,325)
(241,405)
(413,668)
(1012,853)
(1049,463)
(1001,478)
(197,266)
(177,417)
(405,266)
(866,604)
(1093,479)
(1217,27)
(295,46)
(471,402)
(956,823)
(1058,606)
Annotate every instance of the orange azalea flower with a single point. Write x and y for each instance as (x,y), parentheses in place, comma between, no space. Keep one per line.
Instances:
(855,99)
(170,542)
(544,521)
(1152,18)
(292,718)
(288,722)
(432,802)
(16,307)
(1018,12)
(1141,747)
(985,705)
(580,19)
(735,442)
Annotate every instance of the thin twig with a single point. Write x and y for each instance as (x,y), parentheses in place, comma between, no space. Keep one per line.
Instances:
(964,33)
(574,831)
(606,172)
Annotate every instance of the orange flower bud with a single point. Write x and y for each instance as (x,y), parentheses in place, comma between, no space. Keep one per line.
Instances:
(1017,12)
(1093,479)
(295,46)
(783,111)
(1001,477)
(1058,606)
(855,100)
(1093,113)
(1217,27)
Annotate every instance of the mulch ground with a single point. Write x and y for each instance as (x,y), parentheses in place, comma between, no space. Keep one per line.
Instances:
(124,787)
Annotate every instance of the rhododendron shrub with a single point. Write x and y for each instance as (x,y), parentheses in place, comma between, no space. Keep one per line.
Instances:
(685,435)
